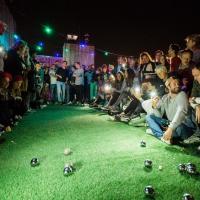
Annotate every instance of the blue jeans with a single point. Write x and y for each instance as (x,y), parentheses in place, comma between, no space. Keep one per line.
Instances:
(67,94)
(182,132)
(61,91)
(53,88)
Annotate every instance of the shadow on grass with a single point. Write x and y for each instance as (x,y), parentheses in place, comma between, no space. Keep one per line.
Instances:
(192,176)
(78,165)
(146,169)
(184,149)
(100,114)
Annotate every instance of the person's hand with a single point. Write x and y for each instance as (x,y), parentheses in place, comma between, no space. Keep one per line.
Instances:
(168,134)
(198,114)
(155,101)
(191,99)
(58,76)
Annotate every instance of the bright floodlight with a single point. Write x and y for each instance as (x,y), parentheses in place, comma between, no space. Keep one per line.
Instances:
(72,37)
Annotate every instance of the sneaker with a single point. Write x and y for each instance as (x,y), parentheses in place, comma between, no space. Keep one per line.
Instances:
(69,103)
(43,106)
(165,141)
(29,110)
(193,139)
(125,119)
(149,131)
(117,117)
(114,112)
(137,121)
(106,109)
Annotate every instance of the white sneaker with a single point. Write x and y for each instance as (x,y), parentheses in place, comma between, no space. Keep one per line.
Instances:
(165,141)
(29,110)
(193,139)
(149,131)
(69,103)
(43,106)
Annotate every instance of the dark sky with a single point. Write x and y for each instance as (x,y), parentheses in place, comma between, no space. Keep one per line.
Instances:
(122,28)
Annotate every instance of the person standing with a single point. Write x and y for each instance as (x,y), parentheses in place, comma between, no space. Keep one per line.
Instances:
(61,80)
(79,82)
(53,80)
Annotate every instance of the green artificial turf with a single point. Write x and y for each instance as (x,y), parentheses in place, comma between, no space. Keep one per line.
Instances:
(106,154)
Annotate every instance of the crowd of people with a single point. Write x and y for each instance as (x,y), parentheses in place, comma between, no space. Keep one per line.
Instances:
(163,91)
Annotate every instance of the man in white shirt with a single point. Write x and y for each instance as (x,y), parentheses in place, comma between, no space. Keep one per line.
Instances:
(178,124)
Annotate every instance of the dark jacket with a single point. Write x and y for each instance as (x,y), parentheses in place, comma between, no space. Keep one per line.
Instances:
(13,64)
(195,89)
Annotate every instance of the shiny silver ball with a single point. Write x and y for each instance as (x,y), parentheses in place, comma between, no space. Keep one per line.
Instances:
(148,163)
(149,191)
(181,168)
(68,170)
(143,143)
(191,168)
(187,196)
(34,162)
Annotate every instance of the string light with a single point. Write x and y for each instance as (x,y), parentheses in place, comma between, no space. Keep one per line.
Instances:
(41,44)
(48,30)
(39,48)
(16,37)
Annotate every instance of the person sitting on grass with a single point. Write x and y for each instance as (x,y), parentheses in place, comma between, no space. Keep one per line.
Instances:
(115,90)
(124,91)
(141,100)
(134,108)
(195,95)
(178,124)
(162,75)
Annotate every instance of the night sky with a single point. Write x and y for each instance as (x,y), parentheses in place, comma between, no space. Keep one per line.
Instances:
(122,28)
